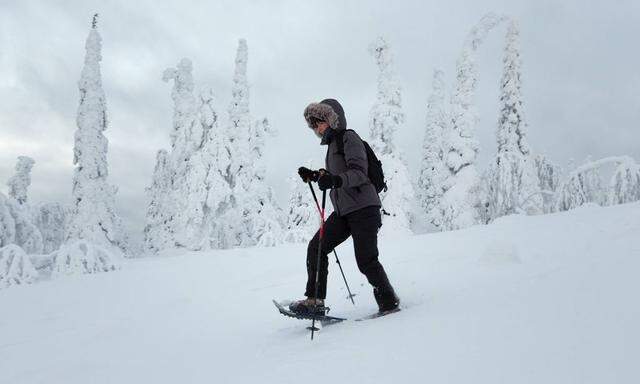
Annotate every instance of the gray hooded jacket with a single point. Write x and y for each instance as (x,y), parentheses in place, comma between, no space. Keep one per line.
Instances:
(357,191)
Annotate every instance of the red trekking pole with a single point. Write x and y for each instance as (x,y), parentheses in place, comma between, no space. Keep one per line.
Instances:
(321,211)
(320,238)
(344,278)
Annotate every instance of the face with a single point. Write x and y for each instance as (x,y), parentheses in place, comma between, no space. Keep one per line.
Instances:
(320,128)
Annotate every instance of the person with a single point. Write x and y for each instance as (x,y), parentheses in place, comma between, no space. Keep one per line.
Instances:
(356,209)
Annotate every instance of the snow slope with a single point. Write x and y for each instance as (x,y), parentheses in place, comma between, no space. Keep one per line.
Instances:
(544,299)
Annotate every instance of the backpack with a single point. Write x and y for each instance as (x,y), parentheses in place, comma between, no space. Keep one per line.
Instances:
(374,168)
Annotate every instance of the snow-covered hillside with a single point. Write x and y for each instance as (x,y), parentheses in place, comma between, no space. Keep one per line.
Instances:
(540,299)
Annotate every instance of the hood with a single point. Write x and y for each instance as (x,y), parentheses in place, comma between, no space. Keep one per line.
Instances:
(328,110)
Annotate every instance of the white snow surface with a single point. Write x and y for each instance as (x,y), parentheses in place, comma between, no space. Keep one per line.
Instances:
(527,299)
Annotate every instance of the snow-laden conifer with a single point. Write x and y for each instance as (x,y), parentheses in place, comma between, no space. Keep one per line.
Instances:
(386,115)
(582,185)
(83,257)
(253,218)
(385,118)
(549,179)
(194,164)
(624,186)
(51,221)
(16,222)
(185,126)
(186,136)
(237,132)
(94,218)
(7,222)
(513,184)
(214,160)
(239,126)
(302,214)
(159,230)
(19,183)
(594,184)
(15,267)
(262,218)
(483,206)
(460,199)
(193,188)
(432,168)
(17,227)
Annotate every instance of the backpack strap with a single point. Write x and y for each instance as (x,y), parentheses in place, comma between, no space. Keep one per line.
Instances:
(339,138)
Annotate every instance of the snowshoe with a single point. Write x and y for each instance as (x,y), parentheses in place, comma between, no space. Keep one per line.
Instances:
(386,299)
(309,307)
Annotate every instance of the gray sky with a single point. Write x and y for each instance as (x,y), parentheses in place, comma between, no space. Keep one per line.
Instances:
(580,76)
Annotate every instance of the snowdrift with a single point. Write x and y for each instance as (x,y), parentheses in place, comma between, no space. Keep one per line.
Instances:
(541,299)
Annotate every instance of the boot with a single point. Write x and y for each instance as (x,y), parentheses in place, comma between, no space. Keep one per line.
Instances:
(308,306)
(386,299)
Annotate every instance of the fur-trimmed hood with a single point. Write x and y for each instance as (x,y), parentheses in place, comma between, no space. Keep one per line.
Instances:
(328,110)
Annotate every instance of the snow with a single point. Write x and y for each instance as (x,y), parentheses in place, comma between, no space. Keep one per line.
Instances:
(460,199)
(16,226)
(385,118)
(94,217)
(429,186)
(585,185)
(19,183)
(15,267)
(513,182)
(81,257)
(527,299)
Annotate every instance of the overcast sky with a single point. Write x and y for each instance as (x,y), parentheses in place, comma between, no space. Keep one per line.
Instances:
(580,76)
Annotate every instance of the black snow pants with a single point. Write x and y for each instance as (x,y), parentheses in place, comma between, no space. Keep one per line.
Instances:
(363,225)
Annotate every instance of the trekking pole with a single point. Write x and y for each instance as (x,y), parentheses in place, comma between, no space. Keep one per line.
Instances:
(320,238)
(334,251)
(344,278)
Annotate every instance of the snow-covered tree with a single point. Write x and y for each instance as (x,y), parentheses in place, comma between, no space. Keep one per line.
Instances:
(583,185)
(253,217)
(94,218)
(51,220)
(624,186)
(7,222)
(186,131)
(16,226)
(385,118)
(15,267)
(83,257)
(593,183)
(483,206)
(35,229)
(159,231)
(549,179)
(19,183)
(214,161)
(303,219)
(513,184)
(262,219)
(386,115)
(239,127)
(182,216)
(195,169)
(460,199)
(432,167)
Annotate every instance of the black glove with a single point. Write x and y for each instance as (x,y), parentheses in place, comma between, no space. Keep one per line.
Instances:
(329,181)
(308,175)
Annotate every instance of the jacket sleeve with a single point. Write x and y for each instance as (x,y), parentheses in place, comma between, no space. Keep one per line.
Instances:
(356,158)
